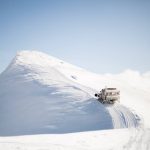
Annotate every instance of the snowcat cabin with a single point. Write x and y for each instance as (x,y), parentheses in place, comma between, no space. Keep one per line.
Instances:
(108,95)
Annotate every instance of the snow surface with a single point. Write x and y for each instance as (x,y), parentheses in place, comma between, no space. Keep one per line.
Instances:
(118,139)
(49,103)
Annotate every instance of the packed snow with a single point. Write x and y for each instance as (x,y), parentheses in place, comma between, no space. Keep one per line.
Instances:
(47,103)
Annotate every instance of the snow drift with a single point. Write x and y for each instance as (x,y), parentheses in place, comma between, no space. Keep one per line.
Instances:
(41,94)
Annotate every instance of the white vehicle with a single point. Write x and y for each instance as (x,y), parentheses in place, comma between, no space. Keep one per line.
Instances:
(108,95)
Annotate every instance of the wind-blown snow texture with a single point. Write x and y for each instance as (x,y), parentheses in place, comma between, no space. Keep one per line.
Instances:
(40,94)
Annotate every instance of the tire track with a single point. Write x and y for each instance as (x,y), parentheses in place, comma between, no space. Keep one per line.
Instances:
(123,117)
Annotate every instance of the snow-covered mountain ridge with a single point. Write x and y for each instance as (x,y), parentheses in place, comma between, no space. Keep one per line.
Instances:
(41,94)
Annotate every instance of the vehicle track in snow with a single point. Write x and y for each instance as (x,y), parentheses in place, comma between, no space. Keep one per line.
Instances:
(139,140)
(123,117)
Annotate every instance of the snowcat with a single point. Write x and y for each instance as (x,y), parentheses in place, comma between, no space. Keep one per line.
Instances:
(108,95)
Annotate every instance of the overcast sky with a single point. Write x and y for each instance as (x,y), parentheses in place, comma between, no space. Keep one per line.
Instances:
(103,36)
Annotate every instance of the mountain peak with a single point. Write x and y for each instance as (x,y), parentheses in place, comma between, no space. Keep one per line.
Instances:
(34,58)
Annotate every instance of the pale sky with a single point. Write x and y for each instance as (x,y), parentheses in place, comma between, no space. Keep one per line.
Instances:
(103,36)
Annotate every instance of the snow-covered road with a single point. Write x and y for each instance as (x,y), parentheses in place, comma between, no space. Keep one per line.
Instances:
(123,117)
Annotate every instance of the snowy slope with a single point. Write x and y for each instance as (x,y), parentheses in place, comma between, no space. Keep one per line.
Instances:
(37,98)
(40,94)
